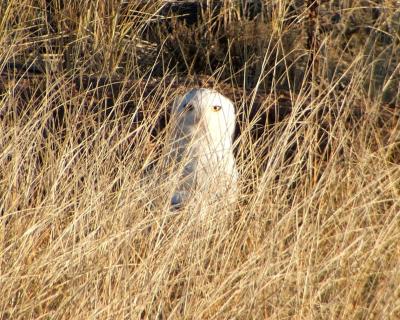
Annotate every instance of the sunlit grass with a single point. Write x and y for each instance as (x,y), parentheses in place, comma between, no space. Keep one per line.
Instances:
(86,230)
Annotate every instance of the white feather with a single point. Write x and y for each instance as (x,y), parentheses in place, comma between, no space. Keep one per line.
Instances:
(201,142)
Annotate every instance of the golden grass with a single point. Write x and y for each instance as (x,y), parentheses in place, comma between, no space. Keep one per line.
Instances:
(315,233)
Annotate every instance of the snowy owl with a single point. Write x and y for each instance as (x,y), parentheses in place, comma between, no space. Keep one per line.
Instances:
(201,142)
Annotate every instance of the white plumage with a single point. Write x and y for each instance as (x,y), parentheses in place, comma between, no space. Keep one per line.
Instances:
(201,142)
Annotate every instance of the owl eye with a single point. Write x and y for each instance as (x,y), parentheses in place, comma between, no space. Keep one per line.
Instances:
(188,107)
(216,108)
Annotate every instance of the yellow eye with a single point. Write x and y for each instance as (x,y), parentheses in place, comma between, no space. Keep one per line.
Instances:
(216,108)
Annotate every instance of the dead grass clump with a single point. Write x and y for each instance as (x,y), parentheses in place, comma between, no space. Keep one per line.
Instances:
(85,231)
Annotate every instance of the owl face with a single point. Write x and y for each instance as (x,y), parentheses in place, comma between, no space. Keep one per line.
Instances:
(206,111)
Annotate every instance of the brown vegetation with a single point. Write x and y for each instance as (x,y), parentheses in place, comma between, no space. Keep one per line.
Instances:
(85,90)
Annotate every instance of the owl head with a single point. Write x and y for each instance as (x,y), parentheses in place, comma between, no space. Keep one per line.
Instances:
(205,112)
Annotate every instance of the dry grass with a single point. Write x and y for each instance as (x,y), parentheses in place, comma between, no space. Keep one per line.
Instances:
(316,231)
